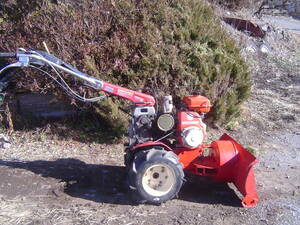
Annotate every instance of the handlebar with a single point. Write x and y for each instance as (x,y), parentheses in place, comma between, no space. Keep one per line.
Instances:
(8,55)
(37,59)
(40,58)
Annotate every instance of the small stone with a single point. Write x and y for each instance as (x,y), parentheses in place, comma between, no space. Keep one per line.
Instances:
(6,145)
(4,141)
(264,48)
(266,28)
(252,48)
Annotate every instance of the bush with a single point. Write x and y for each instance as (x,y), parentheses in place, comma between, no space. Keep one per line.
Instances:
(164,47)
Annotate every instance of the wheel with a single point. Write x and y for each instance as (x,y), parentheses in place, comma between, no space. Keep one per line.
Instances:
(156,175)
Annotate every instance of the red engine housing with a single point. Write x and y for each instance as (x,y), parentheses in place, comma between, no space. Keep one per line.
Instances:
(190,120)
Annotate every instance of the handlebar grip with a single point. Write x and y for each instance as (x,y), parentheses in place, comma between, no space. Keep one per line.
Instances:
(8,55)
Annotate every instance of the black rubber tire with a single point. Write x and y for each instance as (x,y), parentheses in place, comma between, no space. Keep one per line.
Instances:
(143,162)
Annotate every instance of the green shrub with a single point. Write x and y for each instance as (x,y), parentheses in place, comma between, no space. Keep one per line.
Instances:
(162,47)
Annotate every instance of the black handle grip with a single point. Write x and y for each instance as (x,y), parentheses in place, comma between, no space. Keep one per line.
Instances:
(8,55)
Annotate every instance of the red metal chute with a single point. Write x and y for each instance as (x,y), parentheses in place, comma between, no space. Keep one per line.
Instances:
(228,162)
(237,168)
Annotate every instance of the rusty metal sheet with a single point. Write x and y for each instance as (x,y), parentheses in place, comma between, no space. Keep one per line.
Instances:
(245,25)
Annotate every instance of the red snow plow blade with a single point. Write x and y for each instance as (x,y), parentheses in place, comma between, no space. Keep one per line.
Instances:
(236,165)
(228,162)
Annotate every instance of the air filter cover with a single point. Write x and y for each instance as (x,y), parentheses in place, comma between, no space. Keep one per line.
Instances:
(165,122)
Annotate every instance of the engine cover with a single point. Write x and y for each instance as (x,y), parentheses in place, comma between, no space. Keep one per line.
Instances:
(191,129)
(192,137)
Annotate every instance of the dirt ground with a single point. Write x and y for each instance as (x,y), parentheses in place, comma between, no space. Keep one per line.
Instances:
(46,180)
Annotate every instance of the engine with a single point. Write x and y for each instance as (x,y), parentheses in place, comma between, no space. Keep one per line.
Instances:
(148,125)
(141,124)
(191,129)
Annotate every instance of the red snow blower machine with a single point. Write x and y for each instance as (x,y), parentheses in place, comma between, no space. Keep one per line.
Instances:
(164,143)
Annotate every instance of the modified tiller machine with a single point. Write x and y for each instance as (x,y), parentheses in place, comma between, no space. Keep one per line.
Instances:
(164,143)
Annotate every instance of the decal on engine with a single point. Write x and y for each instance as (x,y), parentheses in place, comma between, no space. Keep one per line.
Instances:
(189,117)
(190,122)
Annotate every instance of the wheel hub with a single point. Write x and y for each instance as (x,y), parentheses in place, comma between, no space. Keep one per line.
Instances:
(158,179)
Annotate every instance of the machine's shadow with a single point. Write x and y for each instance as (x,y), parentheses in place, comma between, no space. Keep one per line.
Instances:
(108,184)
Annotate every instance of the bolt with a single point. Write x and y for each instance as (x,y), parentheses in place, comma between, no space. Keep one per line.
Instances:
(155,175)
